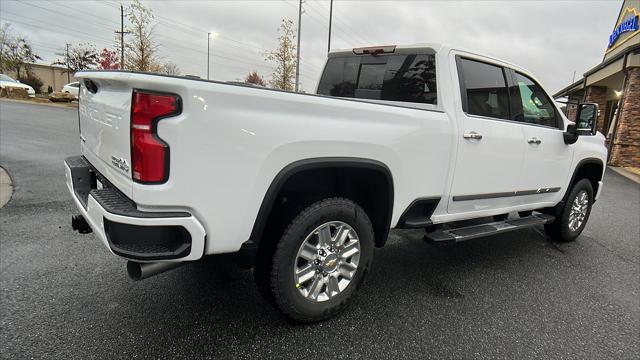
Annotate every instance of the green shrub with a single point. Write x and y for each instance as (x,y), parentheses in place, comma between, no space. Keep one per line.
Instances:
(49,89)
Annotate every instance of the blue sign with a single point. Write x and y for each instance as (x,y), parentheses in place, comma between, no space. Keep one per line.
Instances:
(630,24)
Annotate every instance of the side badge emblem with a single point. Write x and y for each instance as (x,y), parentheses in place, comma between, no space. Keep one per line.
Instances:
(120,163)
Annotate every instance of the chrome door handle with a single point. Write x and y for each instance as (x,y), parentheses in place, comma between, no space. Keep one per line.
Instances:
(534,140)
(472,135)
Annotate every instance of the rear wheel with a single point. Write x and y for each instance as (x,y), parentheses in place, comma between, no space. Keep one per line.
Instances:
(321,260)
(574,215)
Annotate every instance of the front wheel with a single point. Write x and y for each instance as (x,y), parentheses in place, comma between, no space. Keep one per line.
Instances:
(574,215)
(321,259)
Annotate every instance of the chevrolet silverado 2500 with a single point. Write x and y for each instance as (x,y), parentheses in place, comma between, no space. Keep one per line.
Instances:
(302,187)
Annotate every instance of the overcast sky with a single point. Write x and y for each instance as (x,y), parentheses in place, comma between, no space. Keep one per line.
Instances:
(552,39)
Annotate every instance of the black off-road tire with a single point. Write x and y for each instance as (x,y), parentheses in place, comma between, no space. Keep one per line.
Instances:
(559,230)
(283,291)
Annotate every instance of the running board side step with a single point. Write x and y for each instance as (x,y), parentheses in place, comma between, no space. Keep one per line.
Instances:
(454,235)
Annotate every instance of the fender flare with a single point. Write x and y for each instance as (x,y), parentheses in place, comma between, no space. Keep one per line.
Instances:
(581,163)
(316,163)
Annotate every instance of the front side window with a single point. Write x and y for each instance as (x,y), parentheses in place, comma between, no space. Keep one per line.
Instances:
(399,77)
(485,89)
(532,105)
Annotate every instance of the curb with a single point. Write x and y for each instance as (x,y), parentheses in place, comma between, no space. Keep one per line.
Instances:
(71,105)
(6,188)
(626,173)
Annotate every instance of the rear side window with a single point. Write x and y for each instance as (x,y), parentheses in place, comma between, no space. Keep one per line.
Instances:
(532,105)
(400,77)
(485,89)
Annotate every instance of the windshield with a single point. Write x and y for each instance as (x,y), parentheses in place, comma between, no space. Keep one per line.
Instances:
(397,77)
(4,77)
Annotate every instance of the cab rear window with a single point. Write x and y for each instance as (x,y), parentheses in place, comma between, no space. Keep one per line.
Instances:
(396,77)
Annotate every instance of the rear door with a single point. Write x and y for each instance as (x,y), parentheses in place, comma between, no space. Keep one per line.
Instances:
(104,116)
(490,145)
(547,159)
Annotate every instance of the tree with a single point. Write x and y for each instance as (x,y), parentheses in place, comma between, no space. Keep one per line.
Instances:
(254,78)
(109,60)
(170,68)
(32,80)
(141,53)
(79,57)
(283,76)
(16,53)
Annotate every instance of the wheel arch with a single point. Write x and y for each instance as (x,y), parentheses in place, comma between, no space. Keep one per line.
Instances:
(589,168)
(274,191)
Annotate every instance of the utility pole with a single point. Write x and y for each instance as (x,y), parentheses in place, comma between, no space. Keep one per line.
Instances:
(330,18)
(298,47)
(68,70)
(121,33)
(209,34)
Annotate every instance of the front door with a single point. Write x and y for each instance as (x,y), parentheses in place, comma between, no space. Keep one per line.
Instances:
(547,159)
(490,146)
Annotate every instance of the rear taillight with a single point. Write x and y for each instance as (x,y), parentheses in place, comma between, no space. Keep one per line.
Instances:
(149,154)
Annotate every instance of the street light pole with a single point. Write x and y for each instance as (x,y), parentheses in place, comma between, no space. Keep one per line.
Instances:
(208,46)
(68,70)
(330,18)
(298,47)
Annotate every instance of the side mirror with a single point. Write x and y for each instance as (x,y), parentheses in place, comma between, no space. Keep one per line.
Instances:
(586,119)
(18,81)
(571,135)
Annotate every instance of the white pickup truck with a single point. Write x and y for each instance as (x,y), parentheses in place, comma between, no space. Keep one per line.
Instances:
(303,187)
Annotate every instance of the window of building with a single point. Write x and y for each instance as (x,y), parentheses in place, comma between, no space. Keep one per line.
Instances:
(485,89)
(405,78)
(532,105)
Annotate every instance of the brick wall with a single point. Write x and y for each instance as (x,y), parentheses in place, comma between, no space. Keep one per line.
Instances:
(598,95)
(625,150)
(572,110)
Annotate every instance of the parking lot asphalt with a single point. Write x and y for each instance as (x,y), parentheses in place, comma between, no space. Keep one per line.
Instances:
(517,295)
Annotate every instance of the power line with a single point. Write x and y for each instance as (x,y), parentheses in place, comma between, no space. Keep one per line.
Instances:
(176,43)
(79,11)
(24,20)
(40,20)
(57,30)
(351,30)
(224,65)
(194,30)
(346,37)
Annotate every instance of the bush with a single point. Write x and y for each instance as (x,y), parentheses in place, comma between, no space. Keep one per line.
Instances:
(49,89)
(32,81)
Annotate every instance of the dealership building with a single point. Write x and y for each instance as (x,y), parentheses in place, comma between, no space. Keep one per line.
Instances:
(614,85)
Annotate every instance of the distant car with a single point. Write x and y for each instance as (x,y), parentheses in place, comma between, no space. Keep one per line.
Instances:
(6,81)
(72,88)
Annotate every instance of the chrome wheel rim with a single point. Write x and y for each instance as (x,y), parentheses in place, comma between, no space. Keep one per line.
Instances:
(327,261)
(579,209)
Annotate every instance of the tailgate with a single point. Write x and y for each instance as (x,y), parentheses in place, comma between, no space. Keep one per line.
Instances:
(104,116)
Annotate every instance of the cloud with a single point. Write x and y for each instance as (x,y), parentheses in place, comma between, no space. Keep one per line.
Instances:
(550,38)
